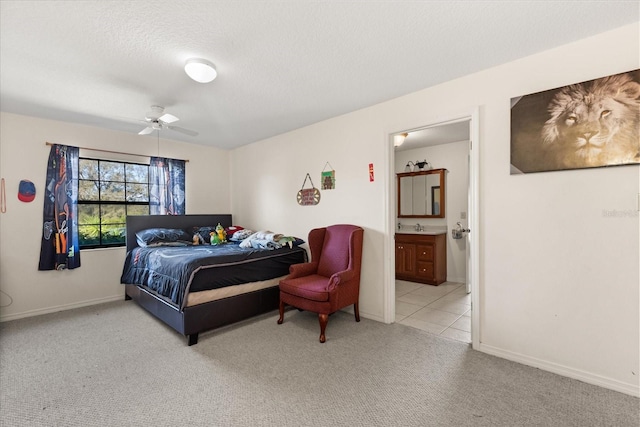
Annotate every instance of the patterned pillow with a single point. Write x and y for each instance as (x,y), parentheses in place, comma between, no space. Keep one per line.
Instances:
(163,237)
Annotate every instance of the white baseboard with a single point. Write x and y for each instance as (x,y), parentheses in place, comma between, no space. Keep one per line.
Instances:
(63,307)
(371,317)
(457,279)
(576,374)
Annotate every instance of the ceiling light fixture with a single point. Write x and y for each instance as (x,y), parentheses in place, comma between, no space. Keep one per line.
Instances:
(398,140)
(200,70)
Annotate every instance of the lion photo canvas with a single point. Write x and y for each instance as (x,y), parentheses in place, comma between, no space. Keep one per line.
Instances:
(584,125)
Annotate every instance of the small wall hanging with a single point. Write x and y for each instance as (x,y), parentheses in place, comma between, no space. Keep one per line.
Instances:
(26,191)
(328,178)
(308,196)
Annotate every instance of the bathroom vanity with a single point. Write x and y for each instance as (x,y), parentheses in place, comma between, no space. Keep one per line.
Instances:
(421,257)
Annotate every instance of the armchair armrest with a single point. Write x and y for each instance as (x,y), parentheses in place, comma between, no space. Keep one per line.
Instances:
(304,269)
(340,277)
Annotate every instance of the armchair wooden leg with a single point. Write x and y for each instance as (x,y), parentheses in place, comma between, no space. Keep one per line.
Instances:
(281,308)
(323,318)
(356,310)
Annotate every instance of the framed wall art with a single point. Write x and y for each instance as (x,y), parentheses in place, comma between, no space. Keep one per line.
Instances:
(328,177)
(590,124)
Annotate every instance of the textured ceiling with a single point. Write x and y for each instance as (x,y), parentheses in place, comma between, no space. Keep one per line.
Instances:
(281,65)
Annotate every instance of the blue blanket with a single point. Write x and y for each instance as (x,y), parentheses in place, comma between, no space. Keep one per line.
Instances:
(174,271)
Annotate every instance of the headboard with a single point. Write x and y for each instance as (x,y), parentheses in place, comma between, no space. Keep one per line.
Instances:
(136,223)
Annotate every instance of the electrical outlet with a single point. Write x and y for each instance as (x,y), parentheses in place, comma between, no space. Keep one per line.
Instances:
(463,215)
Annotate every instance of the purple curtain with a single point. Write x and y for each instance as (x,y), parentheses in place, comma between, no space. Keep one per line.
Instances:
(60,248)
(166,193)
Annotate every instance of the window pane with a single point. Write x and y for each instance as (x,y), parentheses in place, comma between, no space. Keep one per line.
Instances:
(88,169)
(137,173)
(89,234)
(111,171)
(137,192)
(115,233)
(88,214)
(112,191)
(137,210)
(88,190)
(113,214)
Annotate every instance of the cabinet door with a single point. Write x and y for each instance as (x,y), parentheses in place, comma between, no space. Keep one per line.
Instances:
(405,258)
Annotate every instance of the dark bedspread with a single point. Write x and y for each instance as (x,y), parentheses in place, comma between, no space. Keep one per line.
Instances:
(174,271)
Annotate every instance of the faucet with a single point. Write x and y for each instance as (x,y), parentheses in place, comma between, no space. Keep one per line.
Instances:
(419,227)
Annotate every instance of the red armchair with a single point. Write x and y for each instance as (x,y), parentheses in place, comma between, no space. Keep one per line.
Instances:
(331,280)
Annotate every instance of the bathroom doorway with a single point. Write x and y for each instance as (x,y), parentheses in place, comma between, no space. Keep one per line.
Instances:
(439,309)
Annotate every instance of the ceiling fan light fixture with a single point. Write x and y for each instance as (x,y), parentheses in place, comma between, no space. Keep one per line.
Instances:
(200,70)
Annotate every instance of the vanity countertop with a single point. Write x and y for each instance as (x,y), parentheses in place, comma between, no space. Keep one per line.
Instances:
(433,231)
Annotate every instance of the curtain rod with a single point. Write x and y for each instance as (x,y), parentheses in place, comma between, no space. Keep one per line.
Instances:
(112,152)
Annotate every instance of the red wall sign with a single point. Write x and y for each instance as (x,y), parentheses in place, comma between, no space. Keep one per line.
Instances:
(370,172)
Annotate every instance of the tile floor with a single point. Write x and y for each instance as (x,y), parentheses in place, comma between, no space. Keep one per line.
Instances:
(442,310)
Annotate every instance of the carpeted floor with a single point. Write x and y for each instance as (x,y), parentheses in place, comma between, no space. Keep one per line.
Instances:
(115,365)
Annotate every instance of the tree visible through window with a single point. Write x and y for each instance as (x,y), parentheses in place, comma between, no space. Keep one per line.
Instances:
(108,192)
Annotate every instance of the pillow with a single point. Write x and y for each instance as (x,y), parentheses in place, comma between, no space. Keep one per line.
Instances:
(232,230)
(163,237)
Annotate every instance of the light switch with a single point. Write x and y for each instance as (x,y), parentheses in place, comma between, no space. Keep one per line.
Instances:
(463,215)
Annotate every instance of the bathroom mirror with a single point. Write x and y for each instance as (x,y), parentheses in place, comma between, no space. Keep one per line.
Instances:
(421,194)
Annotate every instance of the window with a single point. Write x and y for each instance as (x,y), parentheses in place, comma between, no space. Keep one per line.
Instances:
(108,191)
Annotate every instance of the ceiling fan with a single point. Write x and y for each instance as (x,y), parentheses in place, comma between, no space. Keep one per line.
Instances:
(157,119)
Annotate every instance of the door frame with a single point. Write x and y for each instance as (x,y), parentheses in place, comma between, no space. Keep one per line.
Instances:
(473,220)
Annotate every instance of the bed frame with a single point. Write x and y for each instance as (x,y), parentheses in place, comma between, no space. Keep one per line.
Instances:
(190,321)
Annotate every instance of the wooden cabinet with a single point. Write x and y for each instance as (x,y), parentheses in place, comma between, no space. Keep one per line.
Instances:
(405,259)
(421,258)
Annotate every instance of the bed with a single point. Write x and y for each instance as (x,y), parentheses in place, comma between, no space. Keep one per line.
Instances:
(218,285)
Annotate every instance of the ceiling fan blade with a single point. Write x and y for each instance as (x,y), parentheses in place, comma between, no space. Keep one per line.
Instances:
(168,118)
(146,131)
(183,130)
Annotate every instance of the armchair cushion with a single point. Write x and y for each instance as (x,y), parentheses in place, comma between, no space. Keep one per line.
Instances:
(313,287)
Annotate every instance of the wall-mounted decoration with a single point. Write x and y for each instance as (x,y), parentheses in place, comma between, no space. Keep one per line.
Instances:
(308,196)
(328,178)
(584,125)
(26,191)
(3,197)
(371,178)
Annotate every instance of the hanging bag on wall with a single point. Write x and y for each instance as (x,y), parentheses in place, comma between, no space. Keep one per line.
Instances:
(308,196)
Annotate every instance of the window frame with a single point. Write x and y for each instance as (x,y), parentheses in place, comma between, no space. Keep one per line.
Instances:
(100,202)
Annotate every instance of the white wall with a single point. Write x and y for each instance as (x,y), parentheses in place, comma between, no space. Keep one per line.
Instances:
(454,158)
(23,155)
(559,280)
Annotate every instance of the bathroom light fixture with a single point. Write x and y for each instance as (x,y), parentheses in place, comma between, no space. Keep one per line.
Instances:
(423,165)
(419,165)
(200,70)
(410,166)
(398,140)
